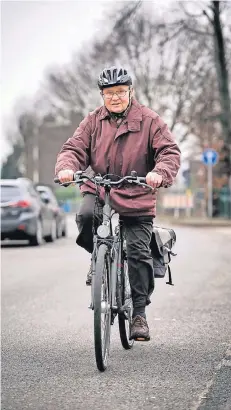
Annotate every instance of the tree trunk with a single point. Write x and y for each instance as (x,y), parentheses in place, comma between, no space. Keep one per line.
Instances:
(223,83)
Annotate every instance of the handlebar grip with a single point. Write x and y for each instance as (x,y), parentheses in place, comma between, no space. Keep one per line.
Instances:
(142,180)
(56,180)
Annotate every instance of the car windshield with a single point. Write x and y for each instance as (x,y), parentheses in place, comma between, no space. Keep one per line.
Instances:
(9,192)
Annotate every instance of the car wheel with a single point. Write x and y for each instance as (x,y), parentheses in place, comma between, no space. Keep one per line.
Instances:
(37,239)
(52,236)
(59,231)
(64,231)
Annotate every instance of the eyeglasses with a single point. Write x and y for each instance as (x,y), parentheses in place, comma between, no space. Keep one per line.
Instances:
(119,94)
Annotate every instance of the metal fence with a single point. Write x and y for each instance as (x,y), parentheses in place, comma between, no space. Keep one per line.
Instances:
(195,204)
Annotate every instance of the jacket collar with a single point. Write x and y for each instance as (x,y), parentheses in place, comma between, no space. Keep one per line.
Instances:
(103,113)
(133,118)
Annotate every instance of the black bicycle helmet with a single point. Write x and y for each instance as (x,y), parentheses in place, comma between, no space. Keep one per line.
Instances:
(114,76)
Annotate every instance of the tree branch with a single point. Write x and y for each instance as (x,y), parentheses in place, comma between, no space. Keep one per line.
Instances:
(128,14)
(189,14)
(208,17)
(200,32)
(184,137)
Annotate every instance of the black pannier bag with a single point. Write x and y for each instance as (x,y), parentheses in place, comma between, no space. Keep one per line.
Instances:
(162,242)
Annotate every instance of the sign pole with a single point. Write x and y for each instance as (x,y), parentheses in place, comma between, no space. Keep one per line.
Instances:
(210,191)
(210,158)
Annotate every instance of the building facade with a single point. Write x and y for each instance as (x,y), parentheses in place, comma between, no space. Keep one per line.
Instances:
(41,151)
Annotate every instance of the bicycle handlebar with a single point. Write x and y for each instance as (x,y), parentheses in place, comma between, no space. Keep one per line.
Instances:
(103,181)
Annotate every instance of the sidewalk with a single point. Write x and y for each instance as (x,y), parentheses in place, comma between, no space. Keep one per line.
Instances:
(194,222)
(169,221)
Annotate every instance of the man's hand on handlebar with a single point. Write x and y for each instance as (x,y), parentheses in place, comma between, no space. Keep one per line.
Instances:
(66,175)
(154,180)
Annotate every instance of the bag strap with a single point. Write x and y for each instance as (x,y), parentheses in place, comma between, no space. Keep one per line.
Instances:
(169,277)
(169,250)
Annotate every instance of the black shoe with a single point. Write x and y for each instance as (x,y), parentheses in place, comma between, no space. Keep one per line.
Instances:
(89,277)
(139,329)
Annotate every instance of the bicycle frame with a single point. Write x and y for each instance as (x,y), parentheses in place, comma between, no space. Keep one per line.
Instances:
(113,241)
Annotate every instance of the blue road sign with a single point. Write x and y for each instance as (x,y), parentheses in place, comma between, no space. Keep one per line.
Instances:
(210,157)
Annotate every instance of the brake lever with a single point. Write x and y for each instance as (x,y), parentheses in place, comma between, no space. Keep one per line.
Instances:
(146,186)
(66,184)
(131,181)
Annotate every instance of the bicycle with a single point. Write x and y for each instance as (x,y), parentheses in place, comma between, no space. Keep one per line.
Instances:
(110,290)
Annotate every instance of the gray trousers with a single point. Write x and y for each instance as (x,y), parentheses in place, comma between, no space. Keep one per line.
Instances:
(138,232)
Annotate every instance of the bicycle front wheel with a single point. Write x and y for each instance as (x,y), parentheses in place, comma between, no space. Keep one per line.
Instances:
(102,308)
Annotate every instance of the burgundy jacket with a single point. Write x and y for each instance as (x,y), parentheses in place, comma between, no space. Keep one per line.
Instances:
(142,143)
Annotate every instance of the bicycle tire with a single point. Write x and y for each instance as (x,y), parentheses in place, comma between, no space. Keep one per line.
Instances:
(102,307)
(125,323)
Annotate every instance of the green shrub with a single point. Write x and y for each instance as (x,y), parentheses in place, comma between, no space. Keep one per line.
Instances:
(71,192)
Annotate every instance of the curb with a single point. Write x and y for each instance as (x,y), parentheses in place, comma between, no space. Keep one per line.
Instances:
(197,223)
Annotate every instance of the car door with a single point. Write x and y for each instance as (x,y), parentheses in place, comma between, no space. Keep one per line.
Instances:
(46,199)
(42,210)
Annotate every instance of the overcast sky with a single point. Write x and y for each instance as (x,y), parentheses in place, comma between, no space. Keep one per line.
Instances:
(36,34)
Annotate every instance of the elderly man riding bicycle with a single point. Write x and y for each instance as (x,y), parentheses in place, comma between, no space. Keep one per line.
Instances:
(117,138)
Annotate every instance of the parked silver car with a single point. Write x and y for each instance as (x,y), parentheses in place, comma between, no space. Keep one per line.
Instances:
(48,196)
(23,213)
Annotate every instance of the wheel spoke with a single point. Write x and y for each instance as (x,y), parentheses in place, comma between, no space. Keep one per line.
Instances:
(126,298)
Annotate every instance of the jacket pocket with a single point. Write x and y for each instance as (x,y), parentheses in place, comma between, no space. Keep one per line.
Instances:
(132,199)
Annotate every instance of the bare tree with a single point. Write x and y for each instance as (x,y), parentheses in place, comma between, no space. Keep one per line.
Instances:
(11,167)
(209,22)
(73,88)
(223,81)
(171,72)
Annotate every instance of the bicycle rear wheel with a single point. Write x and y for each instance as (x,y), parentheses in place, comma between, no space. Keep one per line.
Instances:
(126,299)
(102,308)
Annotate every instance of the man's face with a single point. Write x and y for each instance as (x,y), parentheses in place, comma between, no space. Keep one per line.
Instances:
(116,98)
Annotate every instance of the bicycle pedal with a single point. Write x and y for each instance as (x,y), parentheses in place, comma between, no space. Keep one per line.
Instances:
(142,339)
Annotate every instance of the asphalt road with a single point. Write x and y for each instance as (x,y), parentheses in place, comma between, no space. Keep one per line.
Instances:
(47,332)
